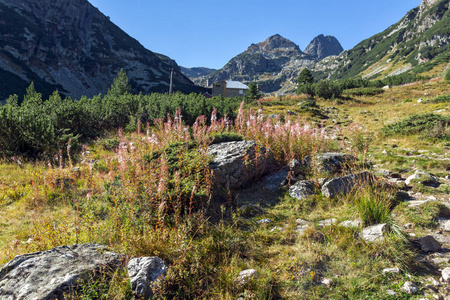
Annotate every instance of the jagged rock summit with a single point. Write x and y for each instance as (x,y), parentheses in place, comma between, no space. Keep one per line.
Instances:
(275,46)
(71,46)
(274,63)
(324,46)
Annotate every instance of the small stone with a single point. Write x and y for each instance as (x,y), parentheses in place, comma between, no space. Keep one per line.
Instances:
(246,275)
(445,275)
(264,221)
(384,152)
(302,228)
(429,244)
(351,223)
(301,222)
(326,281)
(327,222)
(409,226)
(76,169)
(391,270)
(391,293)
(374,233)
(446,225)
(410,288)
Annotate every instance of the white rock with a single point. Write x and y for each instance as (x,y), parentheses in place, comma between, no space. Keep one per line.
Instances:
(301,229)
(391,293)
(264,221)
(327,222)
(445,275)
(391,270)
(246,275)
(326,281)
(351,223)
(410,288)
(302,222)
(373,233)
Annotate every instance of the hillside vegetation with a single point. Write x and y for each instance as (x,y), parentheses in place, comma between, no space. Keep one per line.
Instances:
(144,190)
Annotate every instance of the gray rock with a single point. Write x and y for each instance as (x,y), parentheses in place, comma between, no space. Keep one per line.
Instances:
(441,238)
(445,275)
(275,181)
(236,164)
(410,288)
(424,178)
(344,185)
(300,229)
(330,162)
(351,223)
(264,221)
(444,224)
(302,222)
(391,292)
(374,233)
(302,189)
(391,270)
(327,222)
(53,274)
(429,244)
(246,275)
(143,271)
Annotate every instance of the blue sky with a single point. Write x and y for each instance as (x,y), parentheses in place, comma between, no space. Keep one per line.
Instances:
(200,33)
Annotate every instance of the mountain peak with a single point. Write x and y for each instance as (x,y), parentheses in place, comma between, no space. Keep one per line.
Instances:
(322,46)
(275,43)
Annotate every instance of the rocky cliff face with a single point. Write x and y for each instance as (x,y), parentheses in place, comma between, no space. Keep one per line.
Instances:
(418,42)
(324,46)
(196,74)
(71,46)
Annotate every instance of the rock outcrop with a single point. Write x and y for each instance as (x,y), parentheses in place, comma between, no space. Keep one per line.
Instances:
(236,164)
(53,274)
(344,185)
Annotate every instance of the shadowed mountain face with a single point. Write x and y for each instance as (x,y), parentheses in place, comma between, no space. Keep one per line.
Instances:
(418,43)
(273,64)
(71,46)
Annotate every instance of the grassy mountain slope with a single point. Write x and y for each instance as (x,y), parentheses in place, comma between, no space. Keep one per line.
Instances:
(418,43)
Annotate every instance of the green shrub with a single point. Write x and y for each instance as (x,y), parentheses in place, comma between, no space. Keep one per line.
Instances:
(439,99)
(373,205)
(431,125)
(447,76)
(363,91)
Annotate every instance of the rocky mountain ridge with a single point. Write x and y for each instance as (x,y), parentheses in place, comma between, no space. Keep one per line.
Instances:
(71,46)
(274,63)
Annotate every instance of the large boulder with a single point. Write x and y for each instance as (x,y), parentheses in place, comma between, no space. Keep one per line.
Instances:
(236,164)
(143,271)
(344,185)
(330,162)
(53,274)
